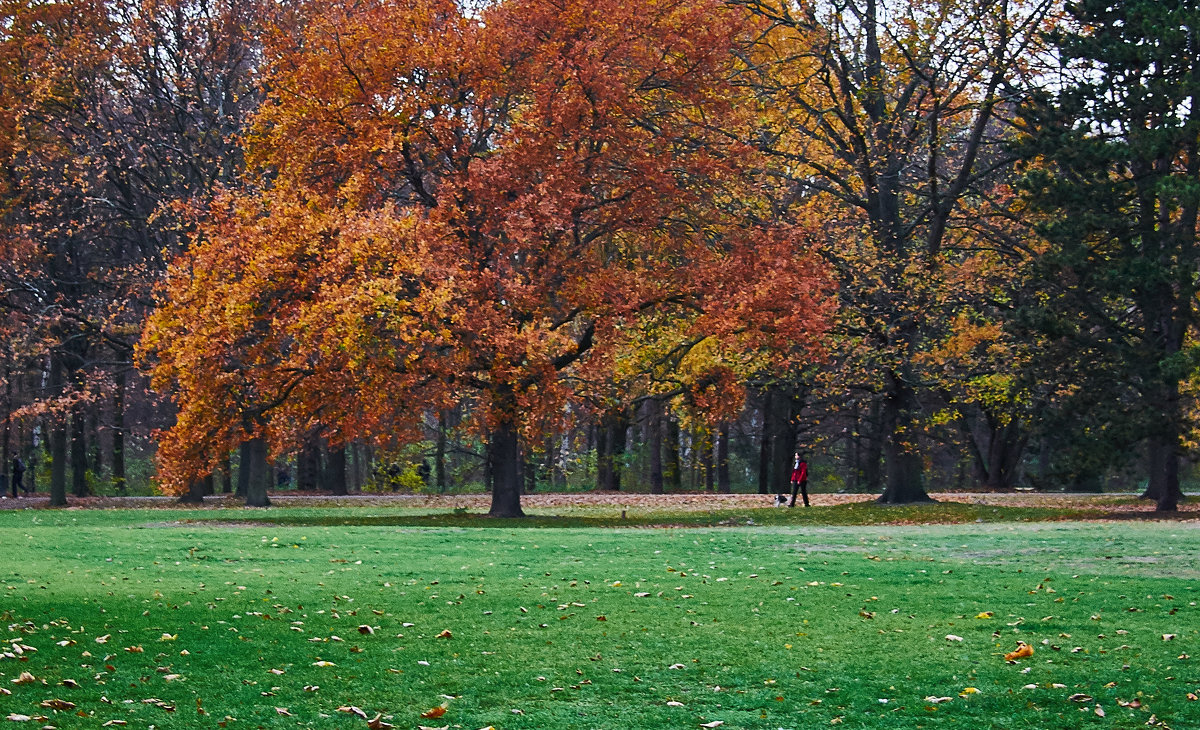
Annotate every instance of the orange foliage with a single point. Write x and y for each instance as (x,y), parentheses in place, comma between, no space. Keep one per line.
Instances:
(453,204)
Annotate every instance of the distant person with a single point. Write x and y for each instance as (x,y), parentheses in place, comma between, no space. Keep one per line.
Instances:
(18,476)
(799,479)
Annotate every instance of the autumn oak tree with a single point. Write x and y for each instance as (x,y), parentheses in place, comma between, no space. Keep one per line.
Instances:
(447,204)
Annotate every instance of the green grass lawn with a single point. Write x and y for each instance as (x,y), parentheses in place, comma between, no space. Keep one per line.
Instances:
(138,617)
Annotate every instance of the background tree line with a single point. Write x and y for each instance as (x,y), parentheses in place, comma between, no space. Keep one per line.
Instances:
(630,244)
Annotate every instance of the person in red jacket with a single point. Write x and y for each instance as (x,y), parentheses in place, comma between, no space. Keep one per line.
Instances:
(799,479)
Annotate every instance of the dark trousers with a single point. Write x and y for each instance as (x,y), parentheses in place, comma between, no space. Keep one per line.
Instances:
(16,482)
(802,487)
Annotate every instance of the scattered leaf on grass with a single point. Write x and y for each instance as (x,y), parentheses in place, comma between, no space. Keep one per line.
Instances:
(937,700)
(714,723)
(323,663)
(284,711)
(57,704)
(434,713)
(445,634)
(952,637)
(1080,697)
(25,678)
(1022,650)
(19,718)
(377,723)
(351,709)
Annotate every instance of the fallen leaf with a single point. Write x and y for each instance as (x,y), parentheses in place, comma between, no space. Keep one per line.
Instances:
(19,718)
(985,614)
(25,678)
(1099,711)
(284,711)
(323,663)
(433,713)
(367,630)
(937,700)
(952,637)
(445,634)
(1022,650)
(714,723)
(353,710)
(673,703)
(57,704)
(1080,697)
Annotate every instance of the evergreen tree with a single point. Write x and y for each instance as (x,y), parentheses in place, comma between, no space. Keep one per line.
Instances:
(1116,190)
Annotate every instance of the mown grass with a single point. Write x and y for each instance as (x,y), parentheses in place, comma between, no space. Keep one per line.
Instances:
(790,626)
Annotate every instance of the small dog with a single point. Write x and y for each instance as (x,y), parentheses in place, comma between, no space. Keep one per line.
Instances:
(781,500)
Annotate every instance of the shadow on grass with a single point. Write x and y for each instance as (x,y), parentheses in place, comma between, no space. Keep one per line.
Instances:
(856,514)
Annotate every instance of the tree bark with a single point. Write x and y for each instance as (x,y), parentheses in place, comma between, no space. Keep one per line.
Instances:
(79,460)
(439,454)
(672,468)
(245,456)
(905,469)
(259,474)
(336,478)
(504,453)
(58,463)
(195,492)
(723,485)
(227,474)
(118,433)
(654,440)
(764,446)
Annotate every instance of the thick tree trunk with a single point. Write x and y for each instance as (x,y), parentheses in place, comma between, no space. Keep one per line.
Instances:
(905,469)
(504,452)
(1163,467)
(79,460)
(260,475)
(781,426)
(654,440)
(195,492)
(723,485)
(335,479)
(118,434)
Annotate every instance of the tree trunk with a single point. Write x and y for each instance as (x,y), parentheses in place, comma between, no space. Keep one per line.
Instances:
(227,474)
(706,460)
(118,434)
(245,456)
(610,450)
(905,470)
(79,460)
(672,468)
(195,492)
(58,463)
(871,441)
(439,454)
(260,475)
(336,477)
(723,485)
(654,428)
(764,446)
(504,452)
